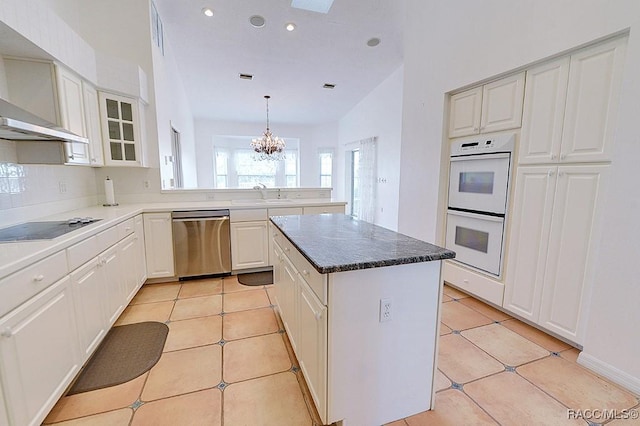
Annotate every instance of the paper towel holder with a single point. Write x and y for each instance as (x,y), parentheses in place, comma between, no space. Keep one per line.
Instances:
(109,194)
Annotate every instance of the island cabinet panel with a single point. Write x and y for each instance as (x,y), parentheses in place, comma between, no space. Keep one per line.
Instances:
(359,343)
(158,241)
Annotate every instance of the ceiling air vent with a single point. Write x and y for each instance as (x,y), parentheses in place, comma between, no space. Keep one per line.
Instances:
(246,76)
(328,86)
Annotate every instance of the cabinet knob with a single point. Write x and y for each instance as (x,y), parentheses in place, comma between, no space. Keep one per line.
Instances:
(550,173)
(563,156)
(465,281)
(127,229)
(553,156)
(287,249)
(560,174)
(38,278)
(305,272)
(7,332)
(318,315)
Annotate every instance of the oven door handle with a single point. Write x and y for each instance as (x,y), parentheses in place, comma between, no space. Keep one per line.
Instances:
(475,215)
(478,157)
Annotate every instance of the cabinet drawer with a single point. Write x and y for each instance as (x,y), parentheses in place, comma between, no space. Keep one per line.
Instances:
(285,211)
(316,280)
(80,253)
(249,215)
(31,280)
(323,209)
(125,228)
(108,238)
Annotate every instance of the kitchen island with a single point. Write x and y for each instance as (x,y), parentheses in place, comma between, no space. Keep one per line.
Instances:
(360,305)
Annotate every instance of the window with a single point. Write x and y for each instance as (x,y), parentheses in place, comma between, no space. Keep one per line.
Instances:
(355,182)
(326,168)
(237,168)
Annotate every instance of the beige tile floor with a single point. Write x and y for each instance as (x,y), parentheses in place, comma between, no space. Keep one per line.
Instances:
(237,368)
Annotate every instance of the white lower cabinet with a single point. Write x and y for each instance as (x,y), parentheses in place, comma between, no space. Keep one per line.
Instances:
(89,291)
(130,255)
(312,343)
(551,245)
(158,242)
(38,353)
(141,259)
(114,273)
(249,245)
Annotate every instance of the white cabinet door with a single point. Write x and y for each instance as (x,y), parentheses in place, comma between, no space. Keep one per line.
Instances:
(120,130)
(249,245)
(92,124)
(141,260)
(288,300)
(71,104)
(464,113)
(502,104)
(38,353)
(528,240)
(595,79)
(312,343)
(90,293)
(158,241)
(128,252)
(114,272)
(544,101)
(571,249)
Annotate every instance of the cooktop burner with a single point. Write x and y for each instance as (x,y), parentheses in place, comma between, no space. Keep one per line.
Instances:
(48,230)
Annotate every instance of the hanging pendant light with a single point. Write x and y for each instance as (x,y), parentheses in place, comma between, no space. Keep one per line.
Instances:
(268,147)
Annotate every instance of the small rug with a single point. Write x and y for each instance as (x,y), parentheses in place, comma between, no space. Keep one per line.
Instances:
(125,353)
(256,278)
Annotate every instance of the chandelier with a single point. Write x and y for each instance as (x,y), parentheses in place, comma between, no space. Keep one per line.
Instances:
(268,147)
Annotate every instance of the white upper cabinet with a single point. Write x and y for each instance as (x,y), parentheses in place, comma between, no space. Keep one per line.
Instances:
(493,107)
(72,117)
(570,106)
(544,101)
(595,77)
(92,124)
(121,130)
(502,104)
(464,117)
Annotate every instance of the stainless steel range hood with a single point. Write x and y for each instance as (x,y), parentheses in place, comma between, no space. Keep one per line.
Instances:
(17,124)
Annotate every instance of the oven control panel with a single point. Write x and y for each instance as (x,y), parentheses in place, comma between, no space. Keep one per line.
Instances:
(483,145)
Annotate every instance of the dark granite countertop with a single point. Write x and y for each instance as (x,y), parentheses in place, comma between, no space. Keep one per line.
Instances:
(337,242)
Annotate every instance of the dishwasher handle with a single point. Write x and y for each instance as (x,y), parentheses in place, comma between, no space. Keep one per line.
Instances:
(200,219)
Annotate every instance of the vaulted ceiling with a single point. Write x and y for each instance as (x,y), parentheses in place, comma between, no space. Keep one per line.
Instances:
(292,67)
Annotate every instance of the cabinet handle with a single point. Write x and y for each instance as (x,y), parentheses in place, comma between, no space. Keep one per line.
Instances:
(563,156)
(318,315)
(287,249)
(305,272)
(475,129)
(560,174)
(7,332)
(465,281)
(553,156)
(550,173)
(127,229)
(38,278)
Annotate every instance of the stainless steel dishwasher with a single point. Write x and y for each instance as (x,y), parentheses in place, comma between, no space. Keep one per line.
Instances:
(201,242)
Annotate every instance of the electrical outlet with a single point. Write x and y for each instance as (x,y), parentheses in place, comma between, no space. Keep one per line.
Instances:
(385,310)
(147,184)
(62,186)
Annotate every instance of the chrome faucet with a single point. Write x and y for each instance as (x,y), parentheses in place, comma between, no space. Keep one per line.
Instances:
(262,188)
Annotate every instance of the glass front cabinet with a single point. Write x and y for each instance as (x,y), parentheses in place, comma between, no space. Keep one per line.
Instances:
(121,130)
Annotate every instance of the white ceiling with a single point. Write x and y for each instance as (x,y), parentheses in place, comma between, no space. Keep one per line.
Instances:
(289,66)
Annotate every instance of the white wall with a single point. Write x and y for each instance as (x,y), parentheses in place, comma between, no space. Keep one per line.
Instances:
(378,114)
(456,43)
(311,138)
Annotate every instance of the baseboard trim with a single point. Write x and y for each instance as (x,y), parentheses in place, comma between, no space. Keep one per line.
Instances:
(610,372)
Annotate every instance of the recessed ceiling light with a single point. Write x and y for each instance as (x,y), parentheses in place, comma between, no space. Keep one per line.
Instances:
(373,42)
(290,26)
(257,21)
(328,86)
(208,12)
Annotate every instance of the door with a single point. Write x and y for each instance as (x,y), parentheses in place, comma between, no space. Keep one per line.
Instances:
(464,113)
(312,345)
(479,183)
(90,293)
(70,97)
(141,261)
(574,228)
(502,104)
(287,299)
(544,101)
(595,78)
(158,241)
(120,130)
(92,124)
(529,240)
(128,254)
(39,354)
(114,272)
(249,245)
(476,239)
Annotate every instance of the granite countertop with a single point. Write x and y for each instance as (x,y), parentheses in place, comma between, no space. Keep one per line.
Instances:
(337,242)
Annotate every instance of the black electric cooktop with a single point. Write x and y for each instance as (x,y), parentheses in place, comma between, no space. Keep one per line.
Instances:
(43,230)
